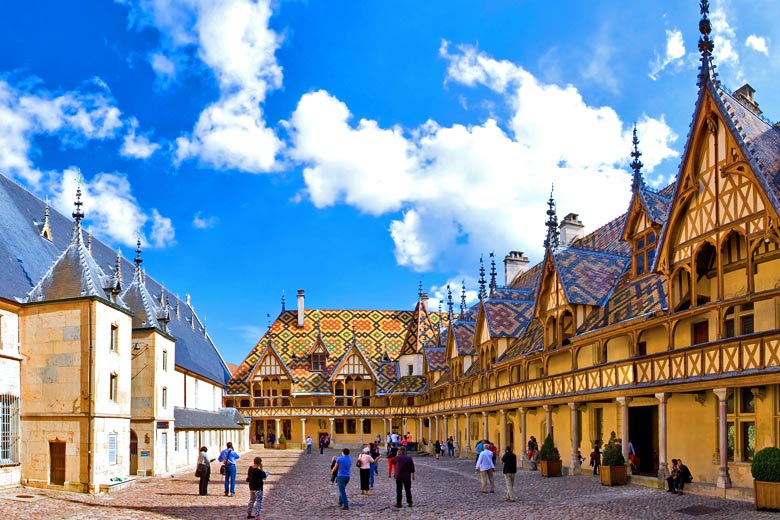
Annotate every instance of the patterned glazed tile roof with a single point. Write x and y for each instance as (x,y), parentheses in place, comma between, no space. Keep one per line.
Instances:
(657,205)
(504,293)
(529,280)
(445,378)
(387,372)
(588,276)
(424,328)
(436,358)
(379,334)
(507,318)
(632,298)
(605,239)
(463,332)
(532,341)
(410,385)
(472,370)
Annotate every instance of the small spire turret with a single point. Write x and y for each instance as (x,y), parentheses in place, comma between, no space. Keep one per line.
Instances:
(449,301)
(283,301)
(463,299)
(552,241)
(493,273)
(78,214)
(482,281)
(636,164)
(138,260)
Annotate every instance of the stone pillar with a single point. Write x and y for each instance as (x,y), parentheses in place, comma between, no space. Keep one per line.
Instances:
(436,418)
(548,429)
(330,432)
(724,480)
(504,439)
(403,421)
(624,429)
(523,437)
(468,433)
(278,429)
(419,431)
(485,433)
(455,430)
(575,467)
(303,433)
(430,433)
(663,469)
(444,428)
(361,430)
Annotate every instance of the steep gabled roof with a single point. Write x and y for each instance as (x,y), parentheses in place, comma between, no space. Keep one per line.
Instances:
(272,360)
(632,298)
(530,342)
(436,358)
(137,298)
(354,351)
(463,337)
(588,276)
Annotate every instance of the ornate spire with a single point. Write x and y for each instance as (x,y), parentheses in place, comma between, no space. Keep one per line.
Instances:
(552,241)
(706,45)
(178,310)
(463,299)
(482,281)
(138,260)
(116,280)
(419,290)
(493,273)
(449,301)
(283,301)
(78,215)
(268,320)
(118,264)
(46,227)
(636,164)
(89,239)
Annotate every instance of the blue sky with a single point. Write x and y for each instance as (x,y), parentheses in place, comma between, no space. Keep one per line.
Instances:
(348,148)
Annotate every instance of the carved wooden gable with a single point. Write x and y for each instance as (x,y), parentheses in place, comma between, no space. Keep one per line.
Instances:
(270,366)
(354,363)
(551,295)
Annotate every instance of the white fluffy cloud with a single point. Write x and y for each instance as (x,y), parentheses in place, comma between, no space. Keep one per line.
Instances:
(233,39)
(758,44)
(110,208)
(465,189)
(723,37)
(137,146)
(200,221)
(74,116)
(675,51)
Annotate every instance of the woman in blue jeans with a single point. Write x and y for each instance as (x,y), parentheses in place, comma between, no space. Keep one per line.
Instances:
(228,458)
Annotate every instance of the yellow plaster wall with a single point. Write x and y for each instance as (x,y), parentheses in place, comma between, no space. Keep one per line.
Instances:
(586,356)
(764,315)
(735,283)
(656,339)
(766,276)
(618,349)
(559,363)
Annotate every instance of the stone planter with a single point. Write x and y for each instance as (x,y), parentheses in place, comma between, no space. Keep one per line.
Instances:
(766,494)
(551,468)
(613,475)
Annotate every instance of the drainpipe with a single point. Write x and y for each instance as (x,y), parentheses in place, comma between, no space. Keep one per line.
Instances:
(90,396)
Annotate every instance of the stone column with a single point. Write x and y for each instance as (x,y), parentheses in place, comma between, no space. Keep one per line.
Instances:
(468,433)
(485,432)
(455,429)
(444,428)
(278,429)
(430,433)
(663,470)
(724,480)
(436,418)
(303,433)
(330,432)
(361,430)
(548,429)
(403,421)
(504,439)
(419,431)
(523,437)
(624,429)
(575,466)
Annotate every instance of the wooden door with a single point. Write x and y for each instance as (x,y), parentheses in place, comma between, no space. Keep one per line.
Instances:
(133,452)
(57,461)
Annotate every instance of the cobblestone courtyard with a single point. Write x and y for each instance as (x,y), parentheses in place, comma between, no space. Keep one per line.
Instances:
(299,488)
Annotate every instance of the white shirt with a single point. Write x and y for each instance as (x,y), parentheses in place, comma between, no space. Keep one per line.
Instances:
(485,461)
(308,441)
(394,437)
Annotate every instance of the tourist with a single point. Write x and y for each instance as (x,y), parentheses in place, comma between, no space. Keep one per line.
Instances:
(478,448)
(684,478)
(364,462)
(373,450)
(395,439)
(595,459)
(228,458)
(378,440)
(533,449)
(203,471)
(392,451)
(509,462)
(322,443)
(309,443)
(404,474)
(271,438)
(341,469)
(332,465)
(493,451)
(450,446)
(674,474)
(485,467)
(255,476)
(437,448)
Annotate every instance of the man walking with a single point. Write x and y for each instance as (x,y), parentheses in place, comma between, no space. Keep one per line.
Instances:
(485,467)
(322,443)
(341,469)
(309,443)
(509,460)
(404,474)
(228,458)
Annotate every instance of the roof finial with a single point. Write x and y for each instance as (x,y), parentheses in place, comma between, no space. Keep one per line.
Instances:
(706,45)
(419,290)
(89,239)
(268,320)
(552,241)
(449,301)
(78,215)
(463,299)
(493,273)
(636,164)
(118,264)
(482,281)
(138,260)
(178,311)
(46,227)
(283,300)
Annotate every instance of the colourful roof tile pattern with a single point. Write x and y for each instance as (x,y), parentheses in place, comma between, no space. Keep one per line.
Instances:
(588,276)
(463,332)
(605,239)
(507,318)
(632,298)
(504,293)
(532,341)
(410,385)
(657,205)
(436,358)
(424,328)
(529,280)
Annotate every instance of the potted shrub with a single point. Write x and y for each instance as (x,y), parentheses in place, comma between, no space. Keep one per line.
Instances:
(765,469)
(282,442)
(550,459)
(613,465)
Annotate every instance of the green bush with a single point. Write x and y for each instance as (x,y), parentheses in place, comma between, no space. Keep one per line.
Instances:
(766,465)
(548,450)
(613,452)
(282,439)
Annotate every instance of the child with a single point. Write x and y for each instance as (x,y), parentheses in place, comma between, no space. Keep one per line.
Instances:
(255,476)
(332,474)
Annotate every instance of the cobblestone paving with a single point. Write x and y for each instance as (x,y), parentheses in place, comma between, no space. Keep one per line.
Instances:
(299,488)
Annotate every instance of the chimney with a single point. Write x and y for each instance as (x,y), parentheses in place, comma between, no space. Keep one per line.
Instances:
(744,95)
(514,264)
(301,309)
(571,229)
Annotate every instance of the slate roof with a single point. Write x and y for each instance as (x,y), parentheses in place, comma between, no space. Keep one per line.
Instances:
(193,419)
(588,276)
(136,296)
(25,258)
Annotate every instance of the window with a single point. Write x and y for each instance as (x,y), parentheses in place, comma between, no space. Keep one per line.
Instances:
(176,441)
(114,337)
(318,362)
(112,448)
(339,425)
(597,426)
(351,425)
(165,360)
(112,387)
(165,397)
(641,348)
(367,426)
(366,397)
(186,440)
(644,253)
(9,429)
(738,320)
(195,393)
(700,332)
(741,424)
(410,369)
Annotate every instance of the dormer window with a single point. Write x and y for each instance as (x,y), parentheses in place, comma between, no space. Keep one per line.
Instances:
(318,359)
(644,252)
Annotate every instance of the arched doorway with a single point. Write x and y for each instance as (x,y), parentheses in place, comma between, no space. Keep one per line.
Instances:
(133,453)
(510,436)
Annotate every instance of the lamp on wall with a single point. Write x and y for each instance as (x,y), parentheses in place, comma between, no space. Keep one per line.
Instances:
(146,438)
